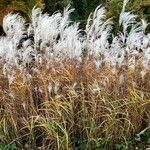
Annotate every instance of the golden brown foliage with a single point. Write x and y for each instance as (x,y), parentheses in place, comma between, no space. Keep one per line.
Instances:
(65,102)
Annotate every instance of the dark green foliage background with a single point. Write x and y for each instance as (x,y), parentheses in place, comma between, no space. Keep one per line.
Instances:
(82,7)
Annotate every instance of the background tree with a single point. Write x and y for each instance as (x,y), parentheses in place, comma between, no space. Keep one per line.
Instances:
(22,6)
(139,7)
(82,7)
(54,5)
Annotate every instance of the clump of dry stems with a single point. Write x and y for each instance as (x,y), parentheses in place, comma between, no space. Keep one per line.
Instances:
(61,105)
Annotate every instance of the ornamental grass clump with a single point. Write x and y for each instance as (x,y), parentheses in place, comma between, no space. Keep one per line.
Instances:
(62,89)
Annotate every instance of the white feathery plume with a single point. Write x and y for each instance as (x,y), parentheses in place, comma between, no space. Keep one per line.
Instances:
(126,19)
(13,24)
(95,21)
(69,44)
(36,13)
(65,18)
(124,5)
(144,24)
(98,31)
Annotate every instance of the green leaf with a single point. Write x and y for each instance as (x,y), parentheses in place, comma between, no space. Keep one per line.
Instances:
(138,138)
(148,140)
